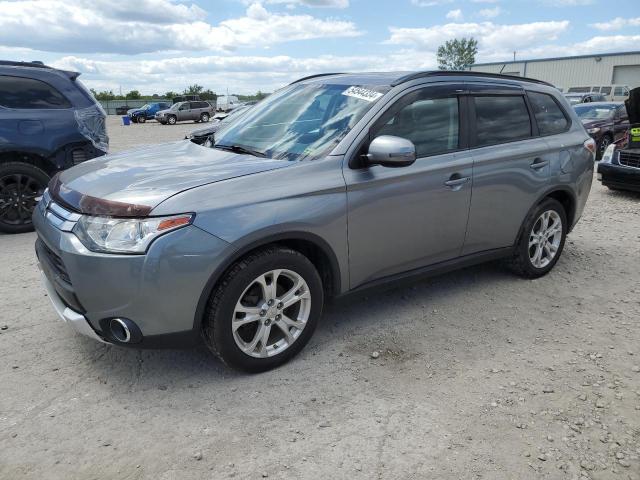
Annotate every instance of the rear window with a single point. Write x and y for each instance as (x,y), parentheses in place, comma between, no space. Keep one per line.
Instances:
(549,115)
(20,92)
(501,119)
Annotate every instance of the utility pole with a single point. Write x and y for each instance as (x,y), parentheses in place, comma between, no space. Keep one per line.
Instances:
(514,55)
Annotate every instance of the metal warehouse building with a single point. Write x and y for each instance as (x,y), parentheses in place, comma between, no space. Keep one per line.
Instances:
(579,71)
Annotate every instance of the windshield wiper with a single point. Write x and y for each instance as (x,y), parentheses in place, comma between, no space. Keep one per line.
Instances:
(240,149)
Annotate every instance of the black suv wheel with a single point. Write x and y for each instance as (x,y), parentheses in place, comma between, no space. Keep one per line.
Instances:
(21,186)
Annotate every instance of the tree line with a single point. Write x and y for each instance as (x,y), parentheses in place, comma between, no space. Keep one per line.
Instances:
(195,89)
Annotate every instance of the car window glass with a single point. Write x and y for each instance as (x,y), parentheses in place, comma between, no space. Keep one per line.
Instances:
(20,92)
(605,90)
(549,116)
(501,119)
(618,91)
(184,106)
(431,124)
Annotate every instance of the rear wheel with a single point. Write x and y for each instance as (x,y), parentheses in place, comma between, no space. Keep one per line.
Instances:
(265,309)
(542,240)
(171,120)
(21,186)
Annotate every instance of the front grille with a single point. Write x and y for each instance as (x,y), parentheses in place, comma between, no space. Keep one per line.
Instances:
(78,155)
(55,262)
(629,159)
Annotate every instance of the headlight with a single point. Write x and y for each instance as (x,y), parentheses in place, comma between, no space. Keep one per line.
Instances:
(593,130)
(607,156)
(125,235)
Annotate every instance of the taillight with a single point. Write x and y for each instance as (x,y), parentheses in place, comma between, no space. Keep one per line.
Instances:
(590,145)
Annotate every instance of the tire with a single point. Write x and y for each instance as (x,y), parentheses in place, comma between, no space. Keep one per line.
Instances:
(604,142)
(134,119)
(522,262)
(204,117)
(21,184)
(141,119)
(171,119)
(240,285)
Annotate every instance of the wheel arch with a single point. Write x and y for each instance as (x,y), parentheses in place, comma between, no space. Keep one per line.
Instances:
(31,157)
(316,249)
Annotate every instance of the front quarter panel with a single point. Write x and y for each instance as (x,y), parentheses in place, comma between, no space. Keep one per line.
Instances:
(306,198)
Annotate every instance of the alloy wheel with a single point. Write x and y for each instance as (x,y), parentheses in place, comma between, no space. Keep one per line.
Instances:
(545,238)
(19,195)
(271,313)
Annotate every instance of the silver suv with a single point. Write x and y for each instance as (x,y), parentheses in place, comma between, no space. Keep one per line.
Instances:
(333,184)
(197,111)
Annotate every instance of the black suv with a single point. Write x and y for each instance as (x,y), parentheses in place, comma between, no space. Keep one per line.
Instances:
(48,122)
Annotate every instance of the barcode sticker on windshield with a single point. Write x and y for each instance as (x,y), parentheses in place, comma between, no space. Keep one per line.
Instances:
(362,93)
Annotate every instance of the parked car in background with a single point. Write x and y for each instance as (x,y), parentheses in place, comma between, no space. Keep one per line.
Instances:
(606,122)
(48,122)
(611,93)
(575,98)
(226,103)
(186,98)
(334,183)
(204,136)
(619,168)
(179,112)
(147,112)
(123,110)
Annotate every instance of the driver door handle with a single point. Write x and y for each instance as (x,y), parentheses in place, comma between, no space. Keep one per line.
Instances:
(455,181)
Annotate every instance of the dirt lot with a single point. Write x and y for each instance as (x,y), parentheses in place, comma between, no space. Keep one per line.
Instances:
(480,375)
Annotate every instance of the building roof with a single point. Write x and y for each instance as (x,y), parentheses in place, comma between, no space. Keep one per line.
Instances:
(551,59)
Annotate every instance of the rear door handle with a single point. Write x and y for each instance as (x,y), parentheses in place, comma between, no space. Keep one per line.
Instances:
(456,182)
(538,163)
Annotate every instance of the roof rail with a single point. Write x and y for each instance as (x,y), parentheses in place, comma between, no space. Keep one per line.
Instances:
(315,76)
(465,73)
(35,64)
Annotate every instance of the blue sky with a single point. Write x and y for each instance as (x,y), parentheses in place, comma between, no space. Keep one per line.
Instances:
(246,45)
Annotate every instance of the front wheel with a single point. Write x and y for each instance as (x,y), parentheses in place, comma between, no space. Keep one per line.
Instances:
(541,241)
(603,145)
(204,118)
(171,120)
(141,119)
(265,309)
(21,186)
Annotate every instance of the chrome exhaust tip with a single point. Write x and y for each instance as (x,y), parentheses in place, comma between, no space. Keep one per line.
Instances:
(120,330)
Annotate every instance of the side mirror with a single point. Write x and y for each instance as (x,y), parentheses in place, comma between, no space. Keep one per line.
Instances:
(390,151)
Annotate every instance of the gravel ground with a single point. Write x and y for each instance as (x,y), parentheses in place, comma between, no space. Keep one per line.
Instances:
(479,374)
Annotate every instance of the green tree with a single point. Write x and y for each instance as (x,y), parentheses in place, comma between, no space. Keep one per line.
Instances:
(208,95)
(457,54)
(170,94)
(260,95)
(104,95)
(133,95)
(194,89)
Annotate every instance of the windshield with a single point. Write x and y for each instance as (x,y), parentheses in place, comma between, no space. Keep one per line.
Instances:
(585,111)
(301,121)
(145,107)
(175,106)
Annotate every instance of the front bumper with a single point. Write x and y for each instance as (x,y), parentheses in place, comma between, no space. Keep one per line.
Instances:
(158,291)
(618,176)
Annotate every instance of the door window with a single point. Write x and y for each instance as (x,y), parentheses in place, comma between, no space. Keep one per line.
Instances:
(20,92)
(501,119)
(432,124)
(605,90)
(549,115)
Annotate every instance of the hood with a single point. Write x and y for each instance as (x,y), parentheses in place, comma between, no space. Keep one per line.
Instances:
(593,122)
(206,131)
(134,182)
(163,112)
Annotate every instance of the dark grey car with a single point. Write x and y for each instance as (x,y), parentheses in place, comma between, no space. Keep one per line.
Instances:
(196,111)
(333,184)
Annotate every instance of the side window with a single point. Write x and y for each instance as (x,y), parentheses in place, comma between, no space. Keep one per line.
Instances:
(501,119)
(432,124)
(20,92)
(618,91)
(548,114)
(605,90)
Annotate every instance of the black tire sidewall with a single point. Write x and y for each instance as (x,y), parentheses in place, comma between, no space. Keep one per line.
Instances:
(22,169)
(523,245)
(225,345)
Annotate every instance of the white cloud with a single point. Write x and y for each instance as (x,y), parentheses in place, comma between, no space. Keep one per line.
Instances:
(454,14)
(430,3)
(490,36)
(617,23)
(490,12)
(155,25)
(307,3)
(567,3)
